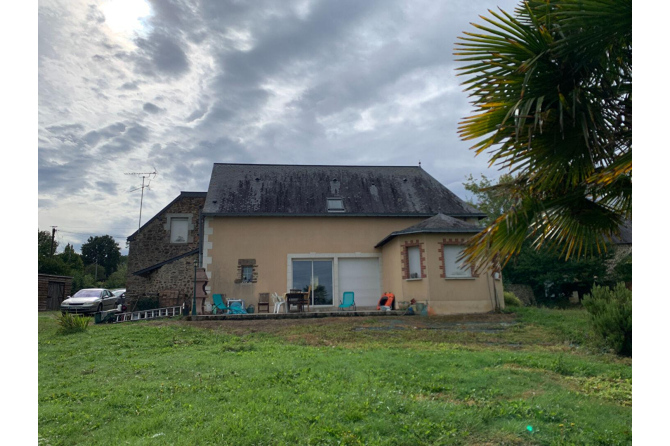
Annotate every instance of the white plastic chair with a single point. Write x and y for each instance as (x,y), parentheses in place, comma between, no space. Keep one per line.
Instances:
(278,301)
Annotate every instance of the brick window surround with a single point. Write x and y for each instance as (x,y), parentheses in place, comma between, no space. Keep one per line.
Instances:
(247,262)
(404,258)
(451,242)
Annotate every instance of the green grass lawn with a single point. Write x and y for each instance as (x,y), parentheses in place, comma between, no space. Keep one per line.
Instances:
(385,380)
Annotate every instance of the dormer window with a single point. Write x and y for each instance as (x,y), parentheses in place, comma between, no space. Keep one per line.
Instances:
(335,205)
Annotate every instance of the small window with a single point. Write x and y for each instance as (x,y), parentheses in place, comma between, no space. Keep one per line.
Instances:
(453,268)
(178,230)
(414,258)
(335,204)
(247,274)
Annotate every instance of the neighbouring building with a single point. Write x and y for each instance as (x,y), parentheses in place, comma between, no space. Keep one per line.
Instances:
(52,290)
(161,254)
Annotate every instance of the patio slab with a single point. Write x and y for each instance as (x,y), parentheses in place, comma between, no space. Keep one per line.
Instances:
(310,315)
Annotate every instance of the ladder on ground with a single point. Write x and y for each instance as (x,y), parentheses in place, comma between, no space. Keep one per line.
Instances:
(147,314)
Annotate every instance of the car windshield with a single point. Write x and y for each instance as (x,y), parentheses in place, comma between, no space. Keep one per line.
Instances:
(118,292)
(87,293)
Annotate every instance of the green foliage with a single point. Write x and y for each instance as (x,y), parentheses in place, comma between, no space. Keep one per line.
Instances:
(71,323)
(552,89)
(44,244)
(53,265)
(118,278)
(81,280)
(612,316)
(147,303)
(490,198)
(553,278)
(511,300)
(104,250)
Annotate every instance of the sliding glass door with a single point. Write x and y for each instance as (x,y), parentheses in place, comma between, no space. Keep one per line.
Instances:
(319,275)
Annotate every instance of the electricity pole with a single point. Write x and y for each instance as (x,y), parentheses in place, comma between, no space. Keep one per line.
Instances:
(53,234)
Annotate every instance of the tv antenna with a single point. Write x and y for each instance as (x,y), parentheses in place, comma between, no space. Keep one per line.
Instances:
(145,175)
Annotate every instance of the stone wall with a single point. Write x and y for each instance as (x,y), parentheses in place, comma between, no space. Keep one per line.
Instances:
(151,245)
(523,292)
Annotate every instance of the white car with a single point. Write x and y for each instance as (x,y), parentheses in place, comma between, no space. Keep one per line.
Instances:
(88,301)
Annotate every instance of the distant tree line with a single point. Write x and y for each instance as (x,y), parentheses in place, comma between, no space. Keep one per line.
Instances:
(100,263)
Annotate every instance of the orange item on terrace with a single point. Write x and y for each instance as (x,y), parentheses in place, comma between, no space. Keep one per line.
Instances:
(386,300)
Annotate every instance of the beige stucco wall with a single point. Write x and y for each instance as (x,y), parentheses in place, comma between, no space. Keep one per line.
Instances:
(270,241)
(444,296)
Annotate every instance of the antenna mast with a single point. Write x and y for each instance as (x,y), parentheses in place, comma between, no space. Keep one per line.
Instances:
(145,175)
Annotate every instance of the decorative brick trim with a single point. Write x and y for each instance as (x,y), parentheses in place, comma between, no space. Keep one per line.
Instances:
(404,258)
(254,272)
(451,242)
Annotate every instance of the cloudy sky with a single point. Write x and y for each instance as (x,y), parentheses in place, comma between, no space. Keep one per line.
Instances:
(175,86)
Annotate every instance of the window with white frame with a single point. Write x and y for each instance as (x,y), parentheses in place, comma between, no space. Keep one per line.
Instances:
(453,268)
(414,259)
(179,230)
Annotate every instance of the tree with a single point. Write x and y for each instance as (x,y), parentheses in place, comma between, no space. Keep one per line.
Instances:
(71,258)
(552,277)
(44,244)
(102,250)
(552,90)
(489,198)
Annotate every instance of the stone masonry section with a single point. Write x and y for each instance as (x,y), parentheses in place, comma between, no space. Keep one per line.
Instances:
(151,246)
(404,259)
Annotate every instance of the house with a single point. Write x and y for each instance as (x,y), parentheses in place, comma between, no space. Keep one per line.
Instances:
(161,254)
(330,229)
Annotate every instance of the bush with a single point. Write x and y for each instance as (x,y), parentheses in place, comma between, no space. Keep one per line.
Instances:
(611,313)
(72,323)
(147,303)
(511,300)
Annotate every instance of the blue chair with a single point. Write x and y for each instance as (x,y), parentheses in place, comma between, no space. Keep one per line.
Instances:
(235,307)
(218,303)
(347,300)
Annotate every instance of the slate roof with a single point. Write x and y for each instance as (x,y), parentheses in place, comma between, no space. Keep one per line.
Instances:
(302,190)
(440,223)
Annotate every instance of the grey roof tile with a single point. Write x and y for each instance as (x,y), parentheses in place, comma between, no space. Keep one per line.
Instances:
(266,189)
(439,223)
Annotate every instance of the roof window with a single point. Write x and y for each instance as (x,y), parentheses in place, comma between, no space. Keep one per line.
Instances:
(335,205)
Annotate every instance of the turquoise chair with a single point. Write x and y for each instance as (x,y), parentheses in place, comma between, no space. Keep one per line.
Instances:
(347,301)
(218,303)
(235,308)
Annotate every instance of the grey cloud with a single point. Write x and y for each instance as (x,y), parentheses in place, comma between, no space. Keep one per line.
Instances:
(94,14)
(160,54)
(152,108)
(129,86)
(107,187)
(65,129)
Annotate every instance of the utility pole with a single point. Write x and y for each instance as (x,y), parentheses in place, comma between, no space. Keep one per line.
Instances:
(53,235)
(144,175)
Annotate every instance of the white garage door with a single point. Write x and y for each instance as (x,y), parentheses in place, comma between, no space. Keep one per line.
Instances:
(362,277)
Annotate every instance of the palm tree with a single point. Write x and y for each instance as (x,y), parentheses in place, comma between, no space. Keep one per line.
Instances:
(552,91)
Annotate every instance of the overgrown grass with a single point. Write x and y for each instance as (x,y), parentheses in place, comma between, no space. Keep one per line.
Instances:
(391,381)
